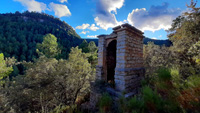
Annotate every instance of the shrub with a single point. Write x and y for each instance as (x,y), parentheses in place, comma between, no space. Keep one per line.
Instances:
(164,74)
(152,101)
(105,103)
(134,105)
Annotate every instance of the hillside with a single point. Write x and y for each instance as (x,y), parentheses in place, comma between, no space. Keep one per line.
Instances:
(20,32)
(145,41)
(158,42)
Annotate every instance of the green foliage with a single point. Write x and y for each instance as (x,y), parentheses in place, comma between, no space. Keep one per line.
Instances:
(130,105)
(105,103)
(84,46)
(49,83)
(194,51)
(184,35)
(148,101)
(156,57)
(49,46)
(20,32)
(92,47)
(164,74)
(193,81)
(5,69)
(152,101)
(134,105)
(177,81)
(91,50)
(66,109)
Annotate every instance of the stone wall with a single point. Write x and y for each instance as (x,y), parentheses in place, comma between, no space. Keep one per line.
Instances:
(100,71)
(129,69)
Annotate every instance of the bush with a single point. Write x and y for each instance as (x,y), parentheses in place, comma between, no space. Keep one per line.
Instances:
(134,105)
(105,103)
(152,101)
(164,74)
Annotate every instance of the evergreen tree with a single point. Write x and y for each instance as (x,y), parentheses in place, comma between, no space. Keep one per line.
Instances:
(84,46)
(5,70)
(92,47)
(49,46)
(184,34)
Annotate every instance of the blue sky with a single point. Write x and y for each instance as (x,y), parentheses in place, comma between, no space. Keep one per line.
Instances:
(95,17)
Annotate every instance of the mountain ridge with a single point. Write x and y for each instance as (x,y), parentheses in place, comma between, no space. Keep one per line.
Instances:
(20,32)
(166,42)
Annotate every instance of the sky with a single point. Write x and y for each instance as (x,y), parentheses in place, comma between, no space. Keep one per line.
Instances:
(91,18)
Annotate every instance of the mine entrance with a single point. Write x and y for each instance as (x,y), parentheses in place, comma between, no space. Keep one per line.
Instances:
(111,60)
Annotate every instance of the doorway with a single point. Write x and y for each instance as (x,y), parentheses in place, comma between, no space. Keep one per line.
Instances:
(111,60)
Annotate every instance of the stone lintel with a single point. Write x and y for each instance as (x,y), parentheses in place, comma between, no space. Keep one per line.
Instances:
(117,27)
(112,35)
(132,28)
(129,28)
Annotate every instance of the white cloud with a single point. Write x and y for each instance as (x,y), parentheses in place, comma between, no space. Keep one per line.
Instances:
(93,27)
(106,21)
(84,32)
(62,1)
(105,17)
(87,26)
(91,36)
(158,17)
(110,5)
(33,5)
(83,26)
(154,38)
(59,9)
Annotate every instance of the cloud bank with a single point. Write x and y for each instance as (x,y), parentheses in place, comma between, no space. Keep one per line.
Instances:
(87,26)
(84,32)
(83,26)
(62,1)
(158,17)
(91,36)
(33,5)
(59,9)
(93,27)
(105,13)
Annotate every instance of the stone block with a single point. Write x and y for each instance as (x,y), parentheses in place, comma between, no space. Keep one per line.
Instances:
(129,61)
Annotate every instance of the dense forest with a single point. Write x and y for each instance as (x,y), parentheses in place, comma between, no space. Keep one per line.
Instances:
(20,32)
(58,68)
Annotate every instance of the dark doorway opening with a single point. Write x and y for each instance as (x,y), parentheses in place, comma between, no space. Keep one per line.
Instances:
(111,60)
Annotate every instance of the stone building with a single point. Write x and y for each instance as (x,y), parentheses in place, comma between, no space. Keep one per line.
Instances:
(120,59)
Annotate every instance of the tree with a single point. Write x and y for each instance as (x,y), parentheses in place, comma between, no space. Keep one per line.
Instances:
(194,51)
(185,32)
(92,47)
(155,57)
(92,55)
(84,46)
(49,83)
(5,70)
(82,71)
(20,32)
(49,46)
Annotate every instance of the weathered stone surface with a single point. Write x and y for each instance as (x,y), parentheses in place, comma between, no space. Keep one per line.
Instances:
(129,70)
